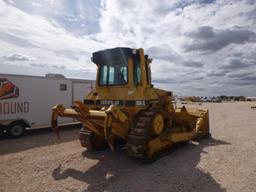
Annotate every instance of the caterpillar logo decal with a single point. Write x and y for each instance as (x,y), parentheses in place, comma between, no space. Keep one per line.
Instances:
(8,89)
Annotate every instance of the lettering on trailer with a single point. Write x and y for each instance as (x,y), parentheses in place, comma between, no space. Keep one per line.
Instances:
(7,108)
(8,91)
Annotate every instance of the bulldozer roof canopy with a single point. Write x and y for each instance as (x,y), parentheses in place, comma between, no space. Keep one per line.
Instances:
(113,56)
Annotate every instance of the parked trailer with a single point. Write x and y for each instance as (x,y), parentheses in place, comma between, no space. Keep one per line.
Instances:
(26,101)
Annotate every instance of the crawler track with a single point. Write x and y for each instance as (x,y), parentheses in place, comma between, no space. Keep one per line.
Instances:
(139,138)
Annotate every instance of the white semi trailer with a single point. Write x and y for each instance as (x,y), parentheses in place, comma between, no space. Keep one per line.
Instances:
(26,101)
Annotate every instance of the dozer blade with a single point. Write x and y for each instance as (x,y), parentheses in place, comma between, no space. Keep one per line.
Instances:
(194,124)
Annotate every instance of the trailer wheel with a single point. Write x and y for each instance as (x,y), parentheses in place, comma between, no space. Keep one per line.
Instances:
(16,129)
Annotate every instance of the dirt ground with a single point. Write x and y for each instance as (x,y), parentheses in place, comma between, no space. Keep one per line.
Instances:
(225,162)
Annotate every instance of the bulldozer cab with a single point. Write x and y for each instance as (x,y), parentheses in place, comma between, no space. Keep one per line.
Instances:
(122,67)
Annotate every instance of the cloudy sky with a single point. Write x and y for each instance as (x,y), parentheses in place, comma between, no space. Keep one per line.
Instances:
(199,47)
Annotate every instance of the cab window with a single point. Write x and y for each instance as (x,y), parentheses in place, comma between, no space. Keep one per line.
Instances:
(137,73)
(113,75)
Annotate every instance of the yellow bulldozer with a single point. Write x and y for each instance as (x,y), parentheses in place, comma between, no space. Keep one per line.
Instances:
(125,106)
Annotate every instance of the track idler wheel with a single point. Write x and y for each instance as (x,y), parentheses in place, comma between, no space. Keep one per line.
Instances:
(157,124)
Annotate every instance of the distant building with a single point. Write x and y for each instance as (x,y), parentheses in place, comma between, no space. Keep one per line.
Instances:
(250,98)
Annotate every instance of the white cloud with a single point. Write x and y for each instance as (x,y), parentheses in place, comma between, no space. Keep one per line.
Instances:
(65,33)
(35,36)
(16,57)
